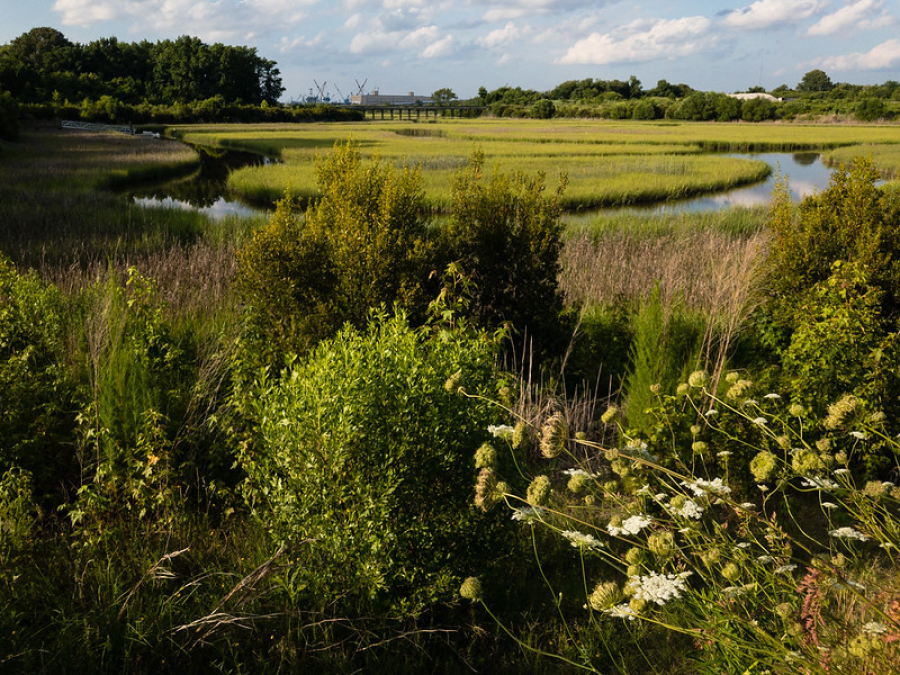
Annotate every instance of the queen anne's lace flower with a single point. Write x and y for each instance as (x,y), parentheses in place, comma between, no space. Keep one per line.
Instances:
(632,525)
(848,533)
(700,487)
(658,588)
(581,540)
(622,611)
(689,509)
(503,431)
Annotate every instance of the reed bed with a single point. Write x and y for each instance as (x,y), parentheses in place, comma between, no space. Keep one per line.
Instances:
(885,157)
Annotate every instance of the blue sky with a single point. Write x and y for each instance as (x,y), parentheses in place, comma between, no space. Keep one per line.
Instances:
(423,45)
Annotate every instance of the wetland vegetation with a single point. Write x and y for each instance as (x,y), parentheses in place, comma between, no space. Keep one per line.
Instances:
(413,420)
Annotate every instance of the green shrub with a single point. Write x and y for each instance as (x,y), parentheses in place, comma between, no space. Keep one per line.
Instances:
(361,245)
(36,390)
(505,232)
(9,117)
(363,449)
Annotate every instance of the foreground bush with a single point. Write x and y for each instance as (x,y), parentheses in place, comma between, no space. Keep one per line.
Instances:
(363,452)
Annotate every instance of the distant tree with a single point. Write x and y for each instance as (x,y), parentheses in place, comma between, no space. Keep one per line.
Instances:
(444,96)
(815,80)
(870,109)
(756,90)
(542,109)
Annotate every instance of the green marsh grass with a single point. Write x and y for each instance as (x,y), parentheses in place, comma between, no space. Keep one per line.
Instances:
(885,157)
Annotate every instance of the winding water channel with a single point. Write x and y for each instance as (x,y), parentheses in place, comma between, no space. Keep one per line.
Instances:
(206,189)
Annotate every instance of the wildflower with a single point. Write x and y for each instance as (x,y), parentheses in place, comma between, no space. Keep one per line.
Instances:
(734,591)
(611,414)
(858,435)
(875,489)
(819,483)
(877,417)
(485,456)
(701,487)
(711,412)
(698,379)
(581,540)
(503,431)
(661,544)
(632,525)
(686,508)
(765,559)
(772,396)
(806,461)
(829,505)
(796,410)
(454,383)
(605,596)
(538,491)
(699,447)
(528,514)
(579,482)
(471,589)
(724,454)
(696,429)
(519,436)
(748,506)
(842,412)
(784,569)
(655,388)
(875,628)
(486,492)
(732,377)
(553,436)
(848,533)
(841,472)
(682,389)
(657,588)
(622,611)
(760,421)
(739,389)
(731,572)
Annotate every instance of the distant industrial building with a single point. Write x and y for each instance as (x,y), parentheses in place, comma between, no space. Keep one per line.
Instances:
(747,97)
(375,98)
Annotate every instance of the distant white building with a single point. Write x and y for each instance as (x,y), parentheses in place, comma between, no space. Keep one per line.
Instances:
(746,97)
(375,98)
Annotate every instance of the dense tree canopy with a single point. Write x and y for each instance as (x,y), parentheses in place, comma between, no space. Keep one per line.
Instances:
(43,65)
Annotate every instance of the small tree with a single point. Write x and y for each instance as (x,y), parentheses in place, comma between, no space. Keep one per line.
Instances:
(815,80)
(444,96)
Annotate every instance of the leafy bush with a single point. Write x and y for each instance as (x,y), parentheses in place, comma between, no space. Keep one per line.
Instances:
(9,117)
(363,450)
(505,232)
(363,244)
(36,390)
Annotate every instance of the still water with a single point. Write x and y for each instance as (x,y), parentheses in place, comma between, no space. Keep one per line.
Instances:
(206,190)
(804,171)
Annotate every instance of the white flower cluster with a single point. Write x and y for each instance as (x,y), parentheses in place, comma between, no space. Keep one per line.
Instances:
(503,431)
(622,611)
(819,483)
(658,588)
(848,533)
(528,514)
(690,509)
(581,540)
(701,487)
(578,472)
(632,525)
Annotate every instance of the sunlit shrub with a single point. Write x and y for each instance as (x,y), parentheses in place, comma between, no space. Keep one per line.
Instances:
(363,450)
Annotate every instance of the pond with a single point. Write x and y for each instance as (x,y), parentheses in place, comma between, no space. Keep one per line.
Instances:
(206,189)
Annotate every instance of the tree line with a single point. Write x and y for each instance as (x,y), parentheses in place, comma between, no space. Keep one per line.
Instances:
(43,65)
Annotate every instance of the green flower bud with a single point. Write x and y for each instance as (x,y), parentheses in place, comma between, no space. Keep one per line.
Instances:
(471,589)
(553,436)
(605,595)
(764,466)
(486,457)
(538,491)
(698,379)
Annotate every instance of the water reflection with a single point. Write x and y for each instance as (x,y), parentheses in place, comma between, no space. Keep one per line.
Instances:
(206,189)
(804,171)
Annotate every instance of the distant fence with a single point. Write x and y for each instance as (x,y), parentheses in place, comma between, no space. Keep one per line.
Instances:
(93,126)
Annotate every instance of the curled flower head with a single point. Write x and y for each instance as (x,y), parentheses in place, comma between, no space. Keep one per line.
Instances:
(731,572)
(485,457)
(796,410)
(519,437)
(486,492)
(806,462)
(732,377)
(739,389)
(662,544)
(699,447)
(611,414)
(605,595)
(579,480)
(698,379)
(454,383)
(763,466)
(538,491)
(471,589)
(842,412)
(553,436)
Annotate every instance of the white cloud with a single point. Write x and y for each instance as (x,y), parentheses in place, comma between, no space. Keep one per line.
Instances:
(504,10)
(883,56)
(853,15)
(85,12)
(501,36)
(770,13)
(643,41)
(442,47)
